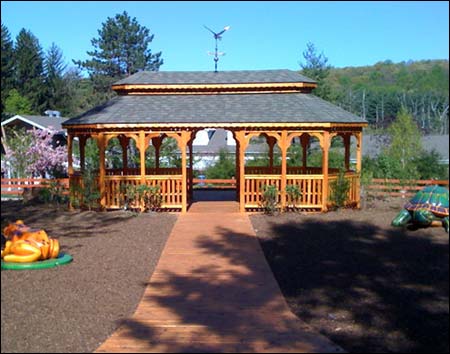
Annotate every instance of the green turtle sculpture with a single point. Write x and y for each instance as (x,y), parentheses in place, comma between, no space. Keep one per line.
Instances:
(428,205)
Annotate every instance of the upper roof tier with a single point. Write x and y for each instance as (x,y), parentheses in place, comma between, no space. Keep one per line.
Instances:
(167,82)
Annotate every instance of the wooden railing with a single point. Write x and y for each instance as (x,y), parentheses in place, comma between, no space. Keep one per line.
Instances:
(148,171)
(253,189)
(396,187)
(170,189)
(310,186)
(214,183)
(352,195)
(291,170)
(14,187)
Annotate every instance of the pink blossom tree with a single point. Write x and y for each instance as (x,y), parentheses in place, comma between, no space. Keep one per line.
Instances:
(35,153)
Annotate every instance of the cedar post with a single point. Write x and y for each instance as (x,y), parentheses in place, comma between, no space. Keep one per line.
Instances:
(242,143)
(101,176)
(284,147)
(325,145)
(358,167)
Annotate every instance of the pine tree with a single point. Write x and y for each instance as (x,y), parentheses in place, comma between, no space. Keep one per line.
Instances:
(316,68)
(120,50)
(7,65)
(57,93)
(30,79)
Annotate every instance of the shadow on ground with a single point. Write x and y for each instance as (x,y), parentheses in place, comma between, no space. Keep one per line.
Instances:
(368,288)
(239,310)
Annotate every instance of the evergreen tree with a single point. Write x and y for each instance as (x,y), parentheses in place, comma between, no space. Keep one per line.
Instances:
(7,65)
(57,95)
(316,68)
(29,72)
(120,50)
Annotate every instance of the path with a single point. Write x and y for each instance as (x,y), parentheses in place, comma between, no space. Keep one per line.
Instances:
(213,291)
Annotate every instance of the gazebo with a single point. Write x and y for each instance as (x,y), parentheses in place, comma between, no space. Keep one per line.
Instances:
(275,104)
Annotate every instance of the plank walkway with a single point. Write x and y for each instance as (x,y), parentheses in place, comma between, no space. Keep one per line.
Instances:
(213,291)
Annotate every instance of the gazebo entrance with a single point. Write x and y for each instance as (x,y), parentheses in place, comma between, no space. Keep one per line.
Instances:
(276,105)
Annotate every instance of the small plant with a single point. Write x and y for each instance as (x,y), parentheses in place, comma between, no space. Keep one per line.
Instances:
(153,198)
(90,190)
(294,194)
(339,190)
(269,200)
(53,192)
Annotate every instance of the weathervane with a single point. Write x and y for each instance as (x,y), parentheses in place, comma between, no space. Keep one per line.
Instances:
(216,37)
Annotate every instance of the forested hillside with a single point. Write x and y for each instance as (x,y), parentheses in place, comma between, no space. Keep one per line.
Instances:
(378,92)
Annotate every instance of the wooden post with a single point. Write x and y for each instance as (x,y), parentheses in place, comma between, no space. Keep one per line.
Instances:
(182,144)
(69,155)
(283,147)
(242,143)
(358,167)
(191,170)
(325,145)
(142,149)
(101,177)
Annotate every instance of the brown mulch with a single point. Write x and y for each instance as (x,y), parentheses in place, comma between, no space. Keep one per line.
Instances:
(364,284)
(75,307)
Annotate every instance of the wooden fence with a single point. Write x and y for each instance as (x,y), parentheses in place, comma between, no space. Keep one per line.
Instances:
(396,187)
(14,187)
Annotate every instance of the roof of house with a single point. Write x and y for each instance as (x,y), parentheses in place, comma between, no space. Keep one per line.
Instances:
(210,77)
(219,108)
(372,144)
(41,122)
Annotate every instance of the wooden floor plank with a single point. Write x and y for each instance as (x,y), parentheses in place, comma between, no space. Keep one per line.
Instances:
(213,291)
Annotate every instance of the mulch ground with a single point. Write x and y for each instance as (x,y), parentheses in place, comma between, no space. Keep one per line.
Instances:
(367,286)
(75,307)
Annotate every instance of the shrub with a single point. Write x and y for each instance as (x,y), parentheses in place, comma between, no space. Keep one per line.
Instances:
(269,200)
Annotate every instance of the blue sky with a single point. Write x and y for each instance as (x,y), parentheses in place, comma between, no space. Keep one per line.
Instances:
(263,34)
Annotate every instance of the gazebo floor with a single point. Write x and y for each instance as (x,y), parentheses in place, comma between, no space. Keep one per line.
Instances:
(213,291)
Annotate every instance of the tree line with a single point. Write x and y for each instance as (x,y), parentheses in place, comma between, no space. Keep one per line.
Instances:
(34,80)
(378,93)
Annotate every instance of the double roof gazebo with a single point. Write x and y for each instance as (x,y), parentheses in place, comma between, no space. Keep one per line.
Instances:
(275,104)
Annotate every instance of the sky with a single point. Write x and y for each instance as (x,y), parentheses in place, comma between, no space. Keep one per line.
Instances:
(262,35)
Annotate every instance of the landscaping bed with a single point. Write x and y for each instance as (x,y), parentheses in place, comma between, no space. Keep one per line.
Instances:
(75,307)
(364,284)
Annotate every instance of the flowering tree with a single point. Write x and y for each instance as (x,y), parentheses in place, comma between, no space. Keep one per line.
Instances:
(35,153)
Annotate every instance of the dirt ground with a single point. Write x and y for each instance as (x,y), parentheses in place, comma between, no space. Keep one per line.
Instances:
(364,284)
(368,286)
(75,307)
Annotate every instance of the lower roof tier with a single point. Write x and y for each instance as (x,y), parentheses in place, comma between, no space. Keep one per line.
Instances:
(273,108)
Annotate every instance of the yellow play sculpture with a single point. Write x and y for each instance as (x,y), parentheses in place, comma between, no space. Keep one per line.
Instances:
(26,245)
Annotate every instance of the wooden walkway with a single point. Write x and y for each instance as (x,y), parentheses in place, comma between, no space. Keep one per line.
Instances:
(213,291)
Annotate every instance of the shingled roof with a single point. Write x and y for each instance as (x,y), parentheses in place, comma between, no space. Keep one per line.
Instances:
(210,77)
(219,107)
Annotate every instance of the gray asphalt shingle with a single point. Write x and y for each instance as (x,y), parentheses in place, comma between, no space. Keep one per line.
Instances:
(219,108)
(210,77)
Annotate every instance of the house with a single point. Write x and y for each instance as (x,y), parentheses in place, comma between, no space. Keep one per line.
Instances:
(28,122)
(372,145)
(38,122)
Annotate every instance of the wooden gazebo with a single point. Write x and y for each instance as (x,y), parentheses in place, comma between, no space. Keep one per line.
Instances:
(276,104)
